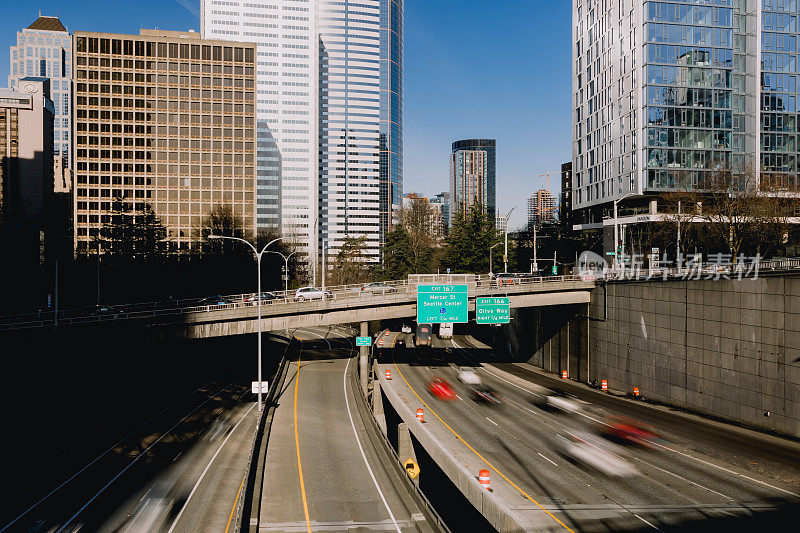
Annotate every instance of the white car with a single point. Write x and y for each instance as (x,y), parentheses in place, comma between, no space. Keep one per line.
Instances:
(311,293)
(406,328)
(468,376)
(596,453)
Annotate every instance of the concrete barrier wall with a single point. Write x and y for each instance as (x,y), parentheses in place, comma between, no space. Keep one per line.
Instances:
(726,348)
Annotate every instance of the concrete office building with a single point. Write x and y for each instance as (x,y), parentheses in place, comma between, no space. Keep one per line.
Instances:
(472,176)
(542,208)
(329,115)
(163,118)
(26,152)
(441,202)
(44,49)
(667,93)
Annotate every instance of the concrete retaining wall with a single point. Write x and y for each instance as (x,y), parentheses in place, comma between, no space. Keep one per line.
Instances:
(726,348)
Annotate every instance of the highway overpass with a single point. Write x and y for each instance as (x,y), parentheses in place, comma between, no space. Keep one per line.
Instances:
(347,304)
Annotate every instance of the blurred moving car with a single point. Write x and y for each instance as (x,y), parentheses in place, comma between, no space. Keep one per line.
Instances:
(311,293)
(446,330)
(485,394)
(596,453)
(265,297)
(629,431)
(558,400)
(424,334)
(376,287)
(441,389)
(468,376)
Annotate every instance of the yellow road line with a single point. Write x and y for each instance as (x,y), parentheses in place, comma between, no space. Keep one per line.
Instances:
(297,441)
(233,509)
(490,465)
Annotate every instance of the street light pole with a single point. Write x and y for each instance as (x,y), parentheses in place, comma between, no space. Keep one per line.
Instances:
(258,268)
(505,255)
(490,258)
(286,262)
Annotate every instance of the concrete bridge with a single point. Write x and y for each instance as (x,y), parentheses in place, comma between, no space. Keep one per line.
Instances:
(346,304)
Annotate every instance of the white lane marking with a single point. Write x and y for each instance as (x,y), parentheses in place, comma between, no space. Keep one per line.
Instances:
(459,397)
(678,452)
(487,369)
(186,503)
(492,421)
(546,459)
(176,457)
(651,465)
(645,521)
(73,476)
(318,336)
(99,492)
(773,487)
(361,449)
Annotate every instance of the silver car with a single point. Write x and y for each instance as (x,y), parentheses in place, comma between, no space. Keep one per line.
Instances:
(311,293)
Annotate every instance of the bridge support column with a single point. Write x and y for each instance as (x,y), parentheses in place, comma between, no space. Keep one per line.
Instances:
(363,359)
(377,405)
(405,447)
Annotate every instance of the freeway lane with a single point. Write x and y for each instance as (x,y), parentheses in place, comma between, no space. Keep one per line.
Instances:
(518,439)
(322,472)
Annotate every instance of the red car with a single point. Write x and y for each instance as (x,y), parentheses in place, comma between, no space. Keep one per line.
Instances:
(628,430)
(442,389)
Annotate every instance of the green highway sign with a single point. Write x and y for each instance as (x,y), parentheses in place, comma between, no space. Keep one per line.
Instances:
(493,310)
(442,303)
(363,341)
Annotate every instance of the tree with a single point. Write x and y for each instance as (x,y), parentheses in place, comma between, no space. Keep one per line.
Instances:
(397,254)
(133,236)
(467,245)
(222,221)
(419,222)
(348,265)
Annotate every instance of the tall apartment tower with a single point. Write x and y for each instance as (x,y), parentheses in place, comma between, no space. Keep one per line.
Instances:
(472,176)
(665,93)
(542,208)
(44,49)
(163,118)
(329,79)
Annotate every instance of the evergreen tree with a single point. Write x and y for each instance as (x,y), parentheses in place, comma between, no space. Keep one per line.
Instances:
(133,236)
(467,245)
(397,253)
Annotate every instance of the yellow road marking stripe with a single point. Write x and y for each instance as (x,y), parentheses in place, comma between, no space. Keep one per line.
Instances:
(297,441)
(490,465)
(233,509)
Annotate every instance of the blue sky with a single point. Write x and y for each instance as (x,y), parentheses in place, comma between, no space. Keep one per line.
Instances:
(473,68)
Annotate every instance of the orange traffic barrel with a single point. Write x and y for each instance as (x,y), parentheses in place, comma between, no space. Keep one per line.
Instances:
(604,385)
(483,478)
(636,392)
(388,374)
(420,416)
(563,374)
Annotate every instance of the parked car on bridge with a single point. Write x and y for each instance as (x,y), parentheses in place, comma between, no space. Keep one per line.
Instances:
(311,293)
(106,310)
(214,300)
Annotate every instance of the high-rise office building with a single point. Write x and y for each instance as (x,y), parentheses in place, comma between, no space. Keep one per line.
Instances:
(542,208)
(44,49)
(329,113)
(26,152)
(442,202)
(667,93)
(472,176)
(163,118)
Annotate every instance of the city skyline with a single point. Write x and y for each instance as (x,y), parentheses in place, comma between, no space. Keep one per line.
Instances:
(520,112)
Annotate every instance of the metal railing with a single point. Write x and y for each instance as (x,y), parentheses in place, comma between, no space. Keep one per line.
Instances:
(395,292)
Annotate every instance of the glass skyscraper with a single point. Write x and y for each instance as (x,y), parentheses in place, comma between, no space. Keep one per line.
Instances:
(329,80)
(472,176)
(667,92)
(44,49)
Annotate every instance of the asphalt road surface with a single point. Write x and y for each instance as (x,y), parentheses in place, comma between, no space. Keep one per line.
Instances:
(322,471)
(682,482)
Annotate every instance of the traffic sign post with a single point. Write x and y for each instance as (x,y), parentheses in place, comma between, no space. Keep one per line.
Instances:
(442,303)
(493,310)
(363,341)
